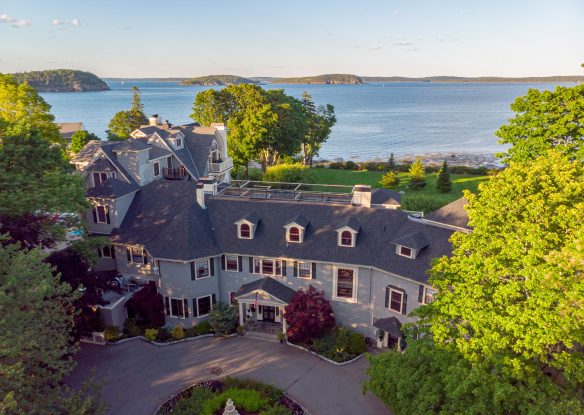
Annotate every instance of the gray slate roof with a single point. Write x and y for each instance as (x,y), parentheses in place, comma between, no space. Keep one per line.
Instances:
(131,144)
(385,197)
(390,325)
(269,285)
(112,188)
(351,222)
(251,217)
(299,220)
(415,240)
(157,152)
(199,141)
(453,214)
(101,165)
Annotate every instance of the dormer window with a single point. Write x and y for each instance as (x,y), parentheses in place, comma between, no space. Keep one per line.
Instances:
(410,245)
(294,234)
(295,229)
(244,231)
(405,251)
(347,233)
(346,238)
(178,143)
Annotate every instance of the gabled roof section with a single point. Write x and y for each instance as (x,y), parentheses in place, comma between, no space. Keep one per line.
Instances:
(385,197)
(299,220)
(453,214)
(251,217)
(390,325)
(112,189)
(67,129)
(349,222)
(415,240)
(198,141)
(157,152)
(131,144)
(269,285)
(183,155)
(101,164)
(87,153)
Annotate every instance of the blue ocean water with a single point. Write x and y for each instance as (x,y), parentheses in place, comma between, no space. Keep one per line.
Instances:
(373,120)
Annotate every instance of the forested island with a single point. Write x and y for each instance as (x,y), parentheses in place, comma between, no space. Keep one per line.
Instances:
(212,80)
(328,79)
(480,79)
(62,80)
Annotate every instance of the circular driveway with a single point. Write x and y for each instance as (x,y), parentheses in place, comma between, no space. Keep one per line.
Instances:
(139,376)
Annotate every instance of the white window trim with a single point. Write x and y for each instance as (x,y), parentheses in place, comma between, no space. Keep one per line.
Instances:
(353,238)
(154,170)
(310,276)
(401,293)
(300,234)
(426,294)
(105,209)
(261,260)
(229,297)
(236,261)
(355,284)
(101,252)
(412,250)
(182,305)
(208,269)
(210,302)
(141,262)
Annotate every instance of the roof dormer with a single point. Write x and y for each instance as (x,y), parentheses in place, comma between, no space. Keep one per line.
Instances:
(247,226)
(410,245)
(295,229)
(177,140)
(347,233)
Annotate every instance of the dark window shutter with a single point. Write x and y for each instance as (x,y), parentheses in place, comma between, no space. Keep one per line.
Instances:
(240,263)
(223,262)
(113,251)
(128,255)
(284,268)
(314,270)
(387,296)
(195,308)
(144,256)
(167,305)
(211,266)
(250,265)
(405,304)
(99,253)
(213,298)
(186,307)
(94,210)
(192,270)
(107,217)
(295,268)
(421,294)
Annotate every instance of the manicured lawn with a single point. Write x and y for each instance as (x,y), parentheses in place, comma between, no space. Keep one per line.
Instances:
(460,182)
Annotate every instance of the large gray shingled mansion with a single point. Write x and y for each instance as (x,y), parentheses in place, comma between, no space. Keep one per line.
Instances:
(176,219)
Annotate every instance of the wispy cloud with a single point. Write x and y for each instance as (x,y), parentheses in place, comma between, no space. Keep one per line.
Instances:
(375,48)
(451,39)
(14,22)
(402,44)
(73,22)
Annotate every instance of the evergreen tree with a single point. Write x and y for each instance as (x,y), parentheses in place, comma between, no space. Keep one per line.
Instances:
(124,122)
(137,105)
(443,183)
(417,175)
(389,179)
(391,164)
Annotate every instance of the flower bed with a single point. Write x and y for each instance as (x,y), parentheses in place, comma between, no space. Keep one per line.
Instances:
(249,398)
(339,345)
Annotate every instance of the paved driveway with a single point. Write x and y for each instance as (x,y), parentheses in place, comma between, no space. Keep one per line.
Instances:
(140,376)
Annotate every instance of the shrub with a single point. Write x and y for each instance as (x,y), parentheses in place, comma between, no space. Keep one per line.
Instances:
(132,328)
(443,182)
(356,343)
(163,334)
(389,179)
(191,332)
(291,173)
(178,332)
(151,334)
(340,344)
(194,403)
(391,164)
(223,319)
(351,165)
(255,174)
(111,333)
(203,328)
(309,315)
(247,399)
(417,175)
(420,203)
(269,392)
(277,410)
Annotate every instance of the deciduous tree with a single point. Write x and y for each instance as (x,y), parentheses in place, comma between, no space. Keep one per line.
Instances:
(80,139)
(309,315)
(319,123)
(124,122)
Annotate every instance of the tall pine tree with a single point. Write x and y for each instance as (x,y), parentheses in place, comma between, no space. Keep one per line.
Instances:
(443,183)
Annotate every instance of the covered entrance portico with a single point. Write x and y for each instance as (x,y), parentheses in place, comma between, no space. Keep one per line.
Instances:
(261,305)
(390,334)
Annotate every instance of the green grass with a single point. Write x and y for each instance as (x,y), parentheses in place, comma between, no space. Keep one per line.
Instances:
(460,182)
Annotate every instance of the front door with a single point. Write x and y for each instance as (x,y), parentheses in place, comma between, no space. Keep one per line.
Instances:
(268,313)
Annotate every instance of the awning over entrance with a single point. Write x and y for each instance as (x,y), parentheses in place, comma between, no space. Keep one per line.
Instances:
(267,285)
(390,325)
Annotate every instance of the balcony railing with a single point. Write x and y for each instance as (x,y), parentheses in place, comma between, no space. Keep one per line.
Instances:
(174,173)
(220,166)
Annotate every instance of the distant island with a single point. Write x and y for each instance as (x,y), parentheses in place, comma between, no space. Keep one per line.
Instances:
(479,79)
(212,80)
(62,80)
(327,79)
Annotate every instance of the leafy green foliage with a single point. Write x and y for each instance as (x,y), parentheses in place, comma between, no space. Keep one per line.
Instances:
(339,344)
(217,80)
(391,164)
(151,334)
(417,175)
(193,404)
(443,183)
(247,399)
(420,203)
(290,173)
(389,179)
(276,410)
(124,122)
(204,327)
(309,315)
(79,139)
(178,333)
(544,120)
(223,319)
(132,328)
(36,320)
(319,124)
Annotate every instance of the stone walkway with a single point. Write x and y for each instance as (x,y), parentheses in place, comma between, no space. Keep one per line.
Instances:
(139,376)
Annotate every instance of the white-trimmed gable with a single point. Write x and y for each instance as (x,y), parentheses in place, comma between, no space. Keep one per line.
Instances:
(242,232)
(294,232)
(343,238)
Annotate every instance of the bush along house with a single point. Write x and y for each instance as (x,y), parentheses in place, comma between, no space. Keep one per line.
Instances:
(176,220)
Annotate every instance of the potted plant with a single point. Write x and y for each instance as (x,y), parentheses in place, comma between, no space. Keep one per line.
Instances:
(281,336)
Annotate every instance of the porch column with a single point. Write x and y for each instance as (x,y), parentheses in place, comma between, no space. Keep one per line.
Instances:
(284,325)
(240,313)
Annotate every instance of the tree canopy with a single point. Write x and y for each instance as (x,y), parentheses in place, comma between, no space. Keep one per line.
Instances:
(79,139)
(124,122)
(544,120)
(319,123)
(417,175)
(309,315)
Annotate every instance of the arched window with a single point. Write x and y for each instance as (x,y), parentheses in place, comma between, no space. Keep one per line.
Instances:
(294,234)
(346,238)
(244,231)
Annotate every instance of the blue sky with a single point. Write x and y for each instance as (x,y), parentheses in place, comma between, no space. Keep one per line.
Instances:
(294,38)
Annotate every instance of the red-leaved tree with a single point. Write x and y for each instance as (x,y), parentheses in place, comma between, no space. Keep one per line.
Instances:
(309,315)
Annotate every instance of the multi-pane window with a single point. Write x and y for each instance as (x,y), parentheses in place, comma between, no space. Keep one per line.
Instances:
(345,283)
(294,234)
(101,214)
(304,270)
(346,238)
(99,177)
(405,251)
(231,263)
(177,308)
(178,143)
(156,169)
(204,305)
(267,266)
(429,295)
(244,231)
(202,268)
(396,300)
(136,255)
(106,251)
